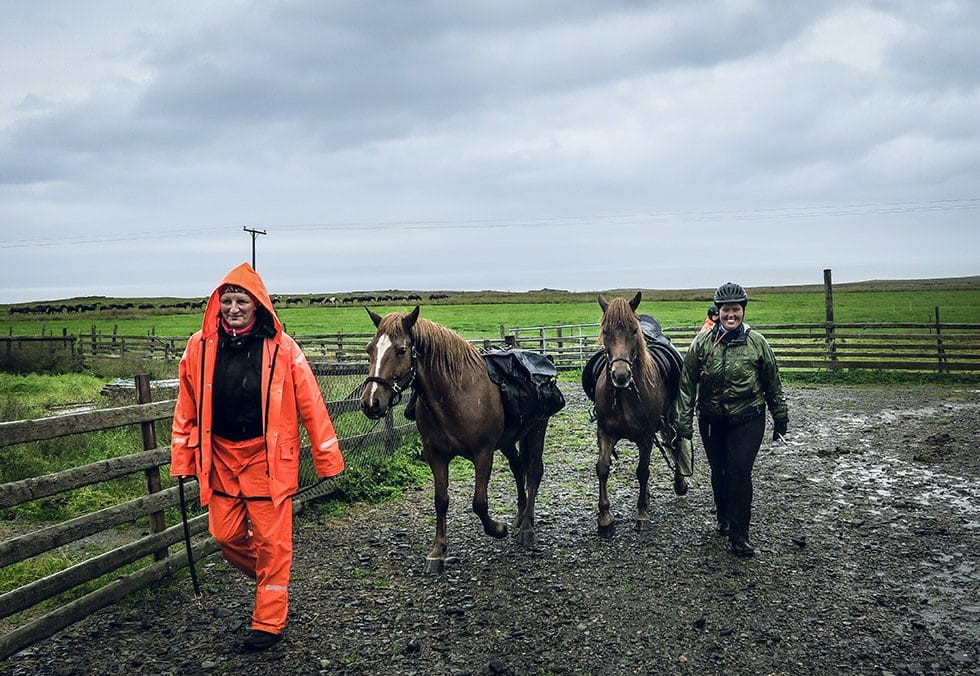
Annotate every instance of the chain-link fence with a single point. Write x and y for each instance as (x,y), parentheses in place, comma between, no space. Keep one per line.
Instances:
(362,441)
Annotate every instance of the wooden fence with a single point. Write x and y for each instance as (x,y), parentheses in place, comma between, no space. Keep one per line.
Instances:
(161,550)
(921,347)
(931,346)
(336,347)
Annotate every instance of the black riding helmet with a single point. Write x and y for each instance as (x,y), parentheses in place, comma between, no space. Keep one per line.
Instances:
(729,293)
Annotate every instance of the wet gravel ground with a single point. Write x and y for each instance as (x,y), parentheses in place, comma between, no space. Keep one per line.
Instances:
(866,525)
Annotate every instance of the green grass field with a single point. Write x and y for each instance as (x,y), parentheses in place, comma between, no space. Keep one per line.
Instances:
(485,319)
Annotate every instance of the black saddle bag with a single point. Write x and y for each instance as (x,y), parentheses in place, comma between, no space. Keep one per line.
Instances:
(528,386)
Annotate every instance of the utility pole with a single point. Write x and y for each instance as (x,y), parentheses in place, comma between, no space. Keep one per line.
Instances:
(254,233)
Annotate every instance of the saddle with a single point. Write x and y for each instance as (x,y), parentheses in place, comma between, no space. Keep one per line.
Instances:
(664,354)
(528,386)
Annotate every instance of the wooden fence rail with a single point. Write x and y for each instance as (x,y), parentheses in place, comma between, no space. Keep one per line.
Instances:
(898,346)
(158,501)
(904,346)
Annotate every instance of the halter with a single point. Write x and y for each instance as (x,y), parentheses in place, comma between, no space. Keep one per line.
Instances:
(400,384)
(629,368)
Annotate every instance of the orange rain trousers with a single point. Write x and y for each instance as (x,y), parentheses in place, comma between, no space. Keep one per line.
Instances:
(255,536)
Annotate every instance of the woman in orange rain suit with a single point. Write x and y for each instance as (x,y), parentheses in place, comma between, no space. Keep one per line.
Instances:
(242,382)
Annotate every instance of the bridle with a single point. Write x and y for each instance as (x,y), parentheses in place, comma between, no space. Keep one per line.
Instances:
(629,366)
(610,361)
(401,383)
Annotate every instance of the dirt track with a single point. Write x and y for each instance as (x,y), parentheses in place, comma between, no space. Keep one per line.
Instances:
(866,523)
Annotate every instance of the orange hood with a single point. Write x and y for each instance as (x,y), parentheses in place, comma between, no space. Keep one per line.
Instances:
(247,278)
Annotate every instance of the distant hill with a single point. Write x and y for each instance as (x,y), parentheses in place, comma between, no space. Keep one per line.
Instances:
(172,305)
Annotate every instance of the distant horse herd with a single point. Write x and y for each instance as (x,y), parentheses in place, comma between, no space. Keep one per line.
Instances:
(288,301)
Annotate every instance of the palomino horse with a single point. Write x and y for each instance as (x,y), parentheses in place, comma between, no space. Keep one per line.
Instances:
(459,411)
(631,400)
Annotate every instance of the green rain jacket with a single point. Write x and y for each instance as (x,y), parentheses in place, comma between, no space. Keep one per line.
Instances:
(732,378)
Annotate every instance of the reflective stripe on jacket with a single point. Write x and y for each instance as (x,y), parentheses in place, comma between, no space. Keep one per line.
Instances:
(288,387)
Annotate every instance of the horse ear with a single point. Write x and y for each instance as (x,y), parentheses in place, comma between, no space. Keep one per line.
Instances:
(603,303)
(375,317)
(409,320)
(635,303)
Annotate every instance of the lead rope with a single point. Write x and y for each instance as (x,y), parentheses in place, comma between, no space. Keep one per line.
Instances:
(187,543)
(664,425)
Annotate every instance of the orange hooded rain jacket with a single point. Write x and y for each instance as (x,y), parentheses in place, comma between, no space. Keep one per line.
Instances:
(288,386)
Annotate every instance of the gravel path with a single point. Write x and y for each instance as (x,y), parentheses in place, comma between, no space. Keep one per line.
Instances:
(865,522)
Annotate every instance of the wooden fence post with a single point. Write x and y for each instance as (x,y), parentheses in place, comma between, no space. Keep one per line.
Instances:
(95,348)
(939,344)
(828,293)
(144,396)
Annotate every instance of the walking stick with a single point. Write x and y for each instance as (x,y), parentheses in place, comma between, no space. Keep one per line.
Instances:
(187,539)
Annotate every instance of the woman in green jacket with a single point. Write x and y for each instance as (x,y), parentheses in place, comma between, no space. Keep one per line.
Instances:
(730,374)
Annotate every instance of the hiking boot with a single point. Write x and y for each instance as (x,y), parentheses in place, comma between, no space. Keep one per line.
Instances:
(741,548)
(259,640)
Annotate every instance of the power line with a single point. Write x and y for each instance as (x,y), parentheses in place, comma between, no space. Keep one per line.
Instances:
(680,216)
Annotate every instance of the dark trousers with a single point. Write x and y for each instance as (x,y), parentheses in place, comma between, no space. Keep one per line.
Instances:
(731,448)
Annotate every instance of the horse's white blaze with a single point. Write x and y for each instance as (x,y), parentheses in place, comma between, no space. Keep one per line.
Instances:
(384,342)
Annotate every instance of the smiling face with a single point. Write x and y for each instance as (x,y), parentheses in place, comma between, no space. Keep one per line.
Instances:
(237,309)
(731,315)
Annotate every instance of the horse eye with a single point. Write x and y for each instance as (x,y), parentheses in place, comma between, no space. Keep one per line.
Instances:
(402,350)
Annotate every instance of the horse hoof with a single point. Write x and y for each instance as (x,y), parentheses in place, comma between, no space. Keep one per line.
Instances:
(680,486)
(607,530)
(499,532)
(434,566)
(526,538)
(642,525)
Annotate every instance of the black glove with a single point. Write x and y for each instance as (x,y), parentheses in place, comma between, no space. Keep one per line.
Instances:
(779,428)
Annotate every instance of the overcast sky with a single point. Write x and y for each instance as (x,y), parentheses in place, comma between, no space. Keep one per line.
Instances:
(504,145)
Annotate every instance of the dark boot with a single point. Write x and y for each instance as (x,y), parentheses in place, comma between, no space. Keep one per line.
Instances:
(738,540)
(741,547)
(723,526)
(259,640)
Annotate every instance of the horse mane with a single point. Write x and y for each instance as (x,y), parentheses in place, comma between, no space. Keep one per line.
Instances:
(619,315)
(438,348)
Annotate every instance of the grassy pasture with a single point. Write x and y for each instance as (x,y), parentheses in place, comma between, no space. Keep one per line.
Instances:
(484,319)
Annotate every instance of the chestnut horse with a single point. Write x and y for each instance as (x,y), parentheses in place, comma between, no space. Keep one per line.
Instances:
(459,411)
(631,402)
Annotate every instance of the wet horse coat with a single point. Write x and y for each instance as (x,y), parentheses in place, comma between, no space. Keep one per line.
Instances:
(631,402)
(459,412)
